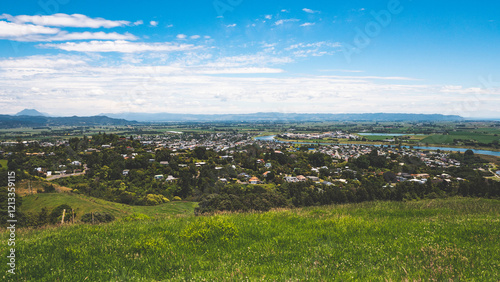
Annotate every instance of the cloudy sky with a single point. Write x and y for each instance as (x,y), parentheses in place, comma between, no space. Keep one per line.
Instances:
(69,57)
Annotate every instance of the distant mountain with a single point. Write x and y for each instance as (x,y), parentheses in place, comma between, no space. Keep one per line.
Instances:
(31,112)
(8,121)
(292,117)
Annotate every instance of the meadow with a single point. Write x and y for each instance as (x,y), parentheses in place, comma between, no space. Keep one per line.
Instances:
(441,239)
(481,136)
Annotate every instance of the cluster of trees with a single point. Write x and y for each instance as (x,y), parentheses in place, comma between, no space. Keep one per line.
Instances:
(302,194)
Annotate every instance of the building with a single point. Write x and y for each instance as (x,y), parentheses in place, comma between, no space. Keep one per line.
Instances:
(254,180)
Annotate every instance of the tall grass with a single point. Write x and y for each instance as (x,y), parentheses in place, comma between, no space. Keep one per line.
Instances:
(442,239)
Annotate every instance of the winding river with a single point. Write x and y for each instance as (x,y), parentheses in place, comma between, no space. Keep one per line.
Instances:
(482,152)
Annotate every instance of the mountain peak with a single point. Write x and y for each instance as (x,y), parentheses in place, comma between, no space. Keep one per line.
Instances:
(30,112)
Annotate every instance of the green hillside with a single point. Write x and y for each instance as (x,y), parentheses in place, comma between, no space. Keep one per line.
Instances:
(84,204)
(449,239)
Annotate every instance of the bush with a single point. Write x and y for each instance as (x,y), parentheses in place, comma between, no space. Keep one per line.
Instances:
(99,217)
(177,198)
(154,199)
(48,188)
(136,216)
(56,214)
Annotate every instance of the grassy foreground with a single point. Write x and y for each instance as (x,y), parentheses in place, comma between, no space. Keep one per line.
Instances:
(455,238)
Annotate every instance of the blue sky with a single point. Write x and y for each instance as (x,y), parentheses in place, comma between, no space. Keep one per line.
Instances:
(67,57)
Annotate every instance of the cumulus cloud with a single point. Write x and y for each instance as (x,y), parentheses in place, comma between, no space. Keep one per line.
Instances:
(309,11)
(307,24)
(32,33)
(231,25)
(212,88)
(153,23)
(14,30)
(181,36)
(65,20)
(121,46)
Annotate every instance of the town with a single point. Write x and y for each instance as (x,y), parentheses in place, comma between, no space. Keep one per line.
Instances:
(152,169)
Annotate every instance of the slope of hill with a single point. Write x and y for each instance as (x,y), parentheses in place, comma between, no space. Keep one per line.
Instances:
(83,204)
(447,239)
(30,112)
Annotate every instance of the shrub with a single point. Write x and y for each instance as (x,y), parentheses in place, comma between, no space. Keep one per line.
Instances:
(154,199)
(56,214)
(99,217)
(177,198)
(136,216)
(48,188)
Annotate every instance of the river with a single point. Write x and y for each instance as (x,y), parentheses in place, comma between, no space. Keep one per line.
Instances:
(476,151)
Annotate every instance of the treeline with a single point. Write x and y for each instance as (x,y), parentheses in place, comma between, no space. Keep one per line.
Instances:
(303,194)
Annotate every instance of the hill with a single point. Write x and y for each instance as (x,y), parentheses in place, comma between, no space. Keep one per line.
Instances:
(447,239)
(9,121)
(83,204)
(291,117)
(30,112)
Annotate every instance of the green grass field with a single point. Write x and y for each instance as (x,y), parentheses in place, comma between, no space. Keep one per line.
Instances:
(449,239)
(84,204)
(448,139)
(3,164)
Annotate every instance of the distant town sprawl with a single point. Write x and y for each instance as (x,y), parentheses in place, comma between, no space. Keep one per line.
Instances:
(236,171)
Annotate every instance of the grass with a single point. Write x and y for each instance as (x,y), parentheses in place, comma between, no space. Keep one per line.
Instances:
(3,164)
(84,204)
(448,139)
(446,239)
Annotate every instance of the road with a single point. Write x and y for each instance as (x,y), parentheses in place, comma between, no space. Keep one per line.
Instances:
(52,177)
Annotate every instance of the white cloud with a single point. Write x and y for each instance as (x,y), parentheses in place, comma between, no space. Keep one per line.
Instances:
(62,85)
(120,46)
(65,36)
(268,17)
(280,22)
(181,36)
(284,11)
(206,37)
(169,25)
(307,24)
(139,22)
(15,30)
(33,33)
(153,23)
(315,49)
(309,11)
(231,25)
(65,20)
(194,36)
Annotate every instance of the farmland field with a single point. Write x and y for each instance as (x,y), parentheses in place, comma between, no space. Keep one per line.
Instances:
(448,139)
(443,239)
